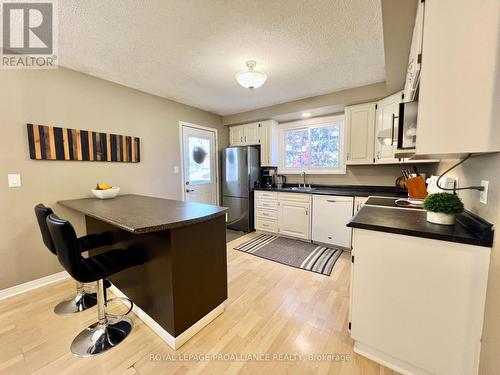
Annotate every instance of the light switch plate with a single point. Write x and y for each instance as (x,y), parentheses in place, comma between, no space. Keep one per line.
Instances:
(176,169)
(14,180)
(483,196)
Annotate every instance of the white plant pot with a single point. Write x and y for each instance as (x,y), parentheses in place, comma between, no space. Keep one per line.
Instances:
(440,218)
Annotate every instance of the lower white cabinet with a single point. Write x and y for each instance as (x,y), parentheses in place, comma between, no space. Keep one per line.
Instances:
(284,213)
(417,304)
(330,214)
(294,215)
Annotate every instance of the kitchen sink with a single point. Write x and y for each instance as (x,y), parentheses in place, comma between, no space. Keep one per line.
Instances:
(304,189)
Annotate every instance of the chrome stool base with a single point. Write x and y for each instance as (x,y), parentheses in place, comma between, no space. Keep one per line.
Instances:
(80,302)
(100,337)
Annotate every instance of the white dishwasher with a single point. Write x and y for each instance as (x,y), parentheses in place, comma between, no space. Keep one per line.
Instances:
(330,215)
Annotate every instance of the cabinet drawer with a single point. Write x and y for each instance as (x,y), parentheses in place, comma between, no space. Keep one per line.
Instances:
(266,204)
(266,195)
(266,225)
(267,214)
(294,197)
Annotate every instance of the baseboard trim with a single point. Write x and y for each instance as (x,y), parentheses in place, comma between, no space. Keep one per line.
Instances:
(388,361)
(33,284)
(174,342)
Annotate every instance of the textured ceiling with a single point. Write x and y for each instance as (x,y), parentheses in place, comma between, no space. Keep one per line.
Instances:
(189,50)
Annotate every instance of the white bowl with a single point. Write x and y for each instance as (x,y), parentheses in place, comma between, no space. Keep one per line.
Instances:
(106,194)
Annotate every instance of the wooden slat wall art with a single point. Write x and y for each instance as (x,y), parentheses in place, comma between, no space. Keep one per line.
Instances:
(53,143)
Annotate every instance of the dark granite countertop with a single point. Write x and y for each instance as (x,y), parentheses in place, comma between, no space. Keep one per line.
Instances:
(342,190)
(142,214)
(469,228)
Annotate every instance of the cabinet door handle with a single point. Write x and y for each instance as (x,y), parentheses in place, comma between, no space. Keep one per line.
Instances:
(307,211)
(392,128)
(331,201)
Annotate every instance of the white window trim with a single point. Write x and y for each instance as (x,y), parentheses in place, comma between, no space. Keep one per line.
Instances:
(316,122)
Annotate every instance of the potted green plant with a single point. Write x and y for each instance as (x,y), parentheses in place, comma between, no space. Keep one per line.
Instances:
(442,208)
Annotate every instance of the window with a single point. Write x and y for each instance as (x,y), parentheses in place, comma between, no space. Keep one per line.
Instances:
(199,160)
(313,146)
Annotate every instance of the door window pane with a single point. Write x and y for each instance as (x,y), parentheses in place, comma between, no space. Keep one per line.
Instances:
(324,147)
(297,149)
(199,160)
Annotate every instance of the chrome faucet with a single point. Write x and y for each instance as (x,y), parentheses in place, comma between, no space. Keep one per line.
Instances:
(303,174)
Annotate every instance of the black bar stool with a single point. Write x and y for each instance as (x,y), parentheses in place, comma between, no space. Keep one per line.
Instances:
(109,330)
(82,300)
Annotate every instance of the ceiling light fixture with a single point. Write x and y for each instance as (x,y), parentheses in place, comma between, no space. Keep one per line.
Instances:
(251,79)
(306,114)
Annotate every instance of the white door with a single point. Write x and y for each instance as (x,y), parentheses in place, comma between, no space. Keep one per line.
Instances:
(252,134)
(199,163)
(330,216)
(360,120)
(294,219)
(386,129)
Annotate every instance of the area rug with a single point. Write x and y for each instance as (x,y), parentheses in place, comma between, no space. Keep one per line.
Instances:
(294,253)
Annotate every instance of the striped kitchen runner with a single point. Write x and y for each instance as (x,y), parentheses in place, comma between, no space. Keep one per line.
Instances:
(294,253)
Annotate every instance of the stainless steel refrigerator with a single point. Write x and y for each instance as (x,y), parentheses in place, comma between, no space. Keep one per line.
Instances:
(240,171)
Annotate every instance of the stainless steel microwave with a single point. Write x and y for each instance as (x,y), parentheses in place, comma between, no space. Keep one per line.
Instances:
(407,126)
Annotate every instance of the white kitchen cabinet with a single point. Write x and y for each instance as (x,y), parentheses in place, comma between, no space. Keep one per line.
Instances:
(251,134)
(244,135)
(266,211)
(263,133)
(330,214)
(417,304)
(236,135)
(458,110)
(269,143)
(294,215)
(360,124)
(415,58)
(386,129)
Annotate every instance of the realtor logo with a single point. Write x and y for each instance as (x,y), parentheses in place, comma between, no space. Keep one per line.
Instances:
(29,34)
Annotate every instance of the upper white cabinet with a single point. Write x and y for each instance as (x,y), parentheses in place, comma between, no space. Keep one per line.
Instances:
(264,133)
(360,123)
(244,135)
(415,59)
(459,85)
(330,214)
(386,129)
(251,134)
(236,135)
(269,143)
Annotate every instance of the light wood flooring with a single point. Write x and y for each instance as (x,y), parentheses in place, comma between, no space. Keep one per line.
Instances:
(271,309)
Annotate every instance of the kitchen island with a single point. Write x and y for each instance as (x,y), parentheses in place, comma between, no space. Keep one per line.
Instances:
(182,285)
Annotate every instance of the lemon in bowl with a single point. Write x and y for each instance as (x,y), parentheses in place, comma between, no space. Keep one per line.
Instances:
(105,191)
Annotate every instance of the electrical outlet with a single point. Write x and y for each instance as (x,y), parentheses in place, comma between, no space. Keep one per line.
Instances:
(483,196)
(14,180)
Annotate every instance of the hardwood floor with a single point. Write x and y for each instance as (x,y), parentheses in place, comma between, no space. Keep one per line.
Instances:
(272,309)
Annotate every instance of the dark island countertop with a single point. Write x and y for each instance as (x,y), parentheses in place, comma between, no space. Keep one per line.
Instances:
(143,214)
(341,190)
(469,229)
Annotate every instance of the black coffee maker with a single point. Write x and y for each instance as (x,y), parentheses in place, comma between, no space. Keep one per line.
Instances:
(268,175)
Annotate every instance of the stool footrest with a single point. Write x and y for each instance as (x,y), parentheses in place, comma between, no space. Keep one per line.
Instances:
(114,317)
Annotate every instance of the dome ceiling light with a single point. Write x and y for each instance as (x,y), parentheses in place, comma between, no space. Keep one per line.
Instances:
(251,79)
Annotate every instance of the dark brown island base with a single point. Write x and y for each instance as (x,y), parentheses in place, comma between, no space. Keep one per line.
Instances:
(182,285)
